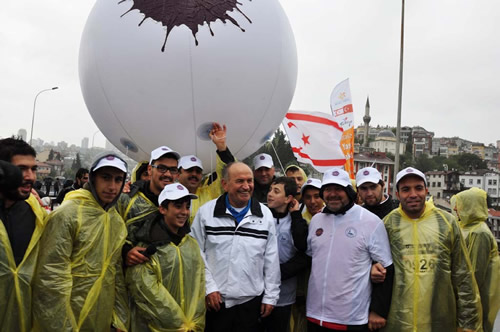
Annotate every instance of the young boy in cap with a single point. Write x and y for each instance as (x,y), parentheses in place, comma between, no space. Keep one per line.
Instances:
(291,230)
(79,283)
(312,203)
(168,292)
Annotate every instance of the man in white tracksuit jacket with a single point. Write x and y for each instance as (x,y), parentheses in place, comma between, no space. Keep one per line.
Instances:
(237,238)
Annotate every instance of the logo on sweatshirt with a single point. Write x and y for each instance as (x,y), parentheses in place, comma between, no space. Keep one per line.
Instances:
(351,232)
(319,231)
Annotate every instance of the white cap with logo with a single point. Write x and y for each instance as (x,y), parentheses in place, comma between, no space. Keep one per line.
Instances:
(311,182)
(336,176)
(111,161)
(186,162)
(173,192)
(368,174)
(262,160)
(410,171)
(162,150)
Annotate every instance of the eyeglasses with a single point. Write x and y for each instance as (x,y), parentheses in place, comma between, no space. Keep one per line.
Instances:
(163,169)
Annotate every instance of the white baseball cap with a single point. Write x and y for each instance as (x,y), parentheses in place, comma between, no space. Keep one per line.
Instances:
(111,161)
(162,150)
(186,162)
(410,171)
(262,160)
(311,182)
(336,176)
(368,174)
(173,192)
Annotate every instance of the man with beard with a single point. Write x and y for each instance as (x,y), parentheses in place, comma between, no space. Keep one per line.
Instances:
(238,243)
(81,177)
(142,200)
(434,283)
(263,175)
(371,190)
(20,230)
(79,283)
(343,241)
(191,172)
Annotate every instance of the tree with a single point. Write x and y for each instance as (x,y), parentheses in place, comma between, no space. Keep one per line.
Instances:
(283,150)
(77,164)
(51,155)
(471,161)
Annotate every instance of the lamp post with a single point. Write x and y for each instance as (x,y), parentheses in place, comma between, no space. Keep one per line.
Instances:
(400,98)
(34,107)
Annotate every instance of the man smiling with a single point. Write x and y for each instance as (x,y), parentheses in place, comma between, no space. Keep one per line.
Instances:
(237,238)
(435,286)
(343,241)
(142,199)
(191,171)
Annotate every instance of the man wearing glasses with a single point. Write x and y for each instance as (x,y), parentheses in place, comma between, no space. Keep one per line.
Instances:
(142,200)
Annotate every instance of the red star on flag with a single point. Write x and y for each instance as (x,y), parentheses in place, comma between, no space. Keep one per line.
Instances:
(305,139)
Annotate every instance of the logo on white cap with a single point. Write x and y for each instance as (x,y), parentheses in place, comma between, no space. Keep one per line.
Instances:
(193,158)
(335,173)
(180,187)
(309,181)
(409,170)
(366,172)
(262,157)
(110,158)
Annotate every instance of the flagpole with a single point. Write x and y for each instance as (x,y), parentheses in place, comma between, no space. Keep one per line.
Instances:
(400,97)
(277,157)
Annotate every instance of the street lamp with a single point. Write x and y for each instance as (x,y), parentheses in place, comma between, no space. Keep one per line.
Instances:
(34,106)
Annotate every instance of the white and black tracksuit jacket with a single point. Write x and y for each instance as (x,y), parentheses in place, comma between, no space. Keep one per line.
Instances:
(241,260)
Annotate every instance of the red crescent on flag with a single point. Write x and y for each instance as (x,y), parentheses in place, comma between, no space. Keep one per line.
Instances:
(319,162)
(313,118)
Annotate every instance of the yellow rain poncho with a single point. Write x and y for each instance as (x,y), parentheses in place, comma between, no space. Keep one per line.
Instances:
(135,176)
(79,283)
(208,190)
(168,292)
(472,211)
(434,287)
(15,281)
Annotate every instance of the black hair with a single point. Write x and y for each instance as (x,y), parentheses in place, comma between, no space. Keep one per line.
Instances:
(288,183)
(10,147)
(180,200)
(81,172)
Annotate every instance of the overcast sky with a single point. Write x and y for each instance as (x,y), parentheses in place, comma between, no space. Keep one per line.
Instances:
(451,64)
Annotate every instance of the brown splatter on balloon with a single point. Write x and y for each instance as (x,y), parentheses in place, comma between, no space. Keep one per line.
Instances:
(191,13)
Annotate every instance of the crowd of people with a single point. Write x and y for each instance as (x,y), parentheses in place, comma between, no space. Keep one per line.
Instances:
(240,249)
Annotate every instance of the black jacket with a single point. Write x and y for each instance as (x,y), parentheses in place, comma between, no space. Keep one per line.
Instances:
(383,209)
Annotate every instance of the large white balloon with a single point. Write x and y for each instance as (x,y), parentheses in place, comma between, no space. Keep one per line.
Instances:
(229,62)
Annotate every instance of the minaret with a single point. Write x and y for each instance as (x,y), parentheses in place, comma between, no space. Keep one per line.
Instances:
(366,120)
